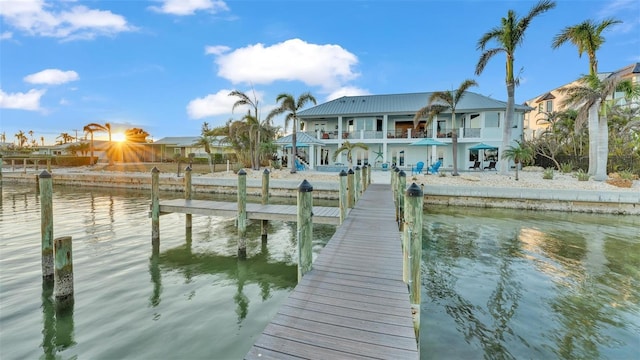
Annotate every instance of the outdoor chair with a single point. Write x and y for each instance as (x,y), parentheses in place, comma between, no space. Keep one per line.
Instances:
(492,166)
(433,169)
(476,165)
(299,166)
(418,168)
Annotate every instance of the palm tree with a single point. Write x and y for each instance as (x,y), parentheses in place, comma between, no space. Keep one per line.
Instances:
(520,154)
(508,35)
(587,37)
(349,148)
(22,139)
(91,128)
(252,119)
(291,106)
(435,106)
(590,95)
(42,140)
(3,137)
(65,137)
(110,148)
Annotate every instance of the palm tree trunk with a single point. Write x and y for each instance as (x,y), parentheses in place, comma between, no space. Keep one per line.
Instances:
(508,123)
(454,142)
(294,156)
(593,139)
(603,149)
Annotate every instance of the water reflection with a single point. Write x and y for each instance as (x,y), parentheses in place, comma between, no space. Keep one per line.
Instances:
(58,325)
(504,284)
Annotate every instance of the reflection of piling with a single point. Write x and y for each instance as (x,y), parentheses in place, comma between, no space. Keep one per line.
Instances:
(350,190)
(155,208)
(305,228)
(357,182)
(343,195)
(63,274)
(402,185)
(412,250)
(264,224)
(242,214)
(187,194)
(46,224)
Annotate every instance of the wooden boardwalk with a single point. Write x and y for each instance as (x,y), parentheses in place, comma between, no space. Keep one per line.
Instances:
(353,304)
(321,214)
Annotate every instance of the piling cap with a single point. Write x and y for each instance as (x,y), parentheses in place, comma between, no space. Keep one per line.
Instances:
(397,169)
(266,172)
(414,190)
(357,168)
(242,172)
(155,170)
(402,173)
(44,175)
(343,173)
(188,168)
(350,172)
(305,186)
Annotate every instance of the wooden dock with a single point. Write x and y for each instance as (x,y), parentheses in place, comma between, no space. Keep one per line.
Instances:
(353,304)
(321,214)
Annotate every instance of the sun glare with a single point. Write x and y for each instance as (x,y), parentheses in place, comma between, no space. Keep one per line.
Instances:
(119,137)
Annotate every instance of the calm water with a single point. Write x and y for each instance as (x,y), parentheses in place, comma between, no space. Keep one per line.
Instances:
(497,284)
(505,284)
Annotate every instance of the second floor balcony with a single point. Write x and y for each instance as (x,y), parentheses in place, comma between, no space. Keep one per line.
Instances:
(393,134)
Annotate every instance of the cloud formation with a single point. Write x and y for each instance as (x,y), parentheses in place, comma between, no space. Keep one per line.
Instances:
(326,66)
(189,7)
(59,20)
(211,105)
(52,77)
(21,101)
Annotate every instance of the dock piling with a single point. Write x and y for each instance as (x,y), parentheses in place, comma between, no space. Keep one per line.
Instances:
(350,189)
(46,224)
(264,224)
(343,195)
(357,182)
(187,195)
(402,186)
(155,207)
(63,275)
(413,235)
(242,214)
(305,228)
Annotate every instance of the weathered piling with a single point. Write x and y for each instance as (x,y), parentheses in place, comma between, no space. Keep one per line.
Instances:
(369,175)
(63,276)
(46,224)
(357,182)
(305,228)
(155,208)
(0,176)
(13,165)
(350,189)
(264,224)
(187,194)
(402,185)
(413,241)
(343,195)
(49,164)
(24,165)
(242,214)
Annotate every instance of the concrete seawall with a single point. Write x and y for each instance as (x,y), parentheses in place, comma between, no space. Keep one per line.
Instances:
(605,202)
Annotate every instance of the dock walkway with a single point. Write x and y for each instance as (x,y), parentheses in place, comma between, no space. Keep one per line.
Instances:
(353,304)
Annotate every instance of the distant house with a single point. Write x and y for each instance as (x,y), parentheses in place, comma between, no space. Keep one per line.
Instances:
(551,101)
(168,147)
(385,124)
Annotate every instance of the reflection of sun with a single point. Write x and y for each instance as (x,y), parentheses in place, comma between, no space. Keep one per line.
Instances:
(119,137)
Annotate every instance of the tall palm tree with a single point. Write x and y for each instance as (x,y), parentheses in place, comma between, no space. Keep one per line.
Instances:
(91,128)
(587,37)
(22,139)
(441,101)
(3,137)
(520,154)
(291,106)
(110,148)
(349,148)
(508,35)
(590,95)
(42,140)
(254,135)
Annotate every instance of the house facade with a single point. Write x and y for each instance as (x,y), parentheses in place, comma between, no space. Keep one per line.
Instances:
(551,101)
(385,124)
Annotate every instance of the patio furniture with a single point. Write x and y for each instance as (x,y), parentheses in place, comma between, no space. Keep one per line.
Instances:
(492,166)
(418,168)
(476,165)
(299,166)
(433,169)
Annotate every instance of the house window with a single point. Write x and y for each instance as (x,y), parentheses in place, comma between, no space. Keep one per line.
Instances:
(492,119)
(549,106)
(540,107)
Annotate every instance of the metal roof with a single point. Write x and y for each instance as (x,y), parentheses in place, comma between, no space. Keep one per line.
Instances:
(398,104)
(301,137)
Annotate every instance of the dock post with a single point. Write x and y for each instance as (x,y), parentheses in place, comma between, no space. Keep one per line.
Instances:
(24,165)
(413,236)
(37,164)
(63,276)
(402,186)
(46,224)
(264,224)
(305,228)
(155,208)
(187,195)
(0,177)
(13,165)
(49,164)
(343,195)
(357,180)
(369,176)
(242,213)
(365,176)
(350,190)
(394,184)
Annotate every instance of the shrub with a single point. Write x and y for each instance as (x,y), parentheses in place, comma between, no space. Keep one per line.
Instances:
(582,176)
(442,174)
(547,174)
(566,168)
(626,175)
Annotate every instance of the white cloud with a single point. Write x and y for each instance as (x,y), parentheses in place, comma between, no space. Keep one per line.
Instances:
(216,50)
(189,7)
(6,35)
(213,104)
(22,101)
(61,20)
(327,66)
(347,91)
(52,77)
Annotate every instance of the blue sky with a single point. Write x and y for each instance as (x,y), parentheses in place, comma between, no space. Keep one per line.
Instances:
(167,66)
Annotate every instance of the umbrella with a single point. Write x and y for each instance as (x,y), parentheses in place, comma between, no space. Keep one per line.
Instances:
(428,142)
(483,147)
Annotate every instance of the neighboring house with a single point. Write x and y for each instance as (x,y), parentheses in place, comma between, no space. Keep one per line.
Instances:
(385,124)
(551,101)
(168,147)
